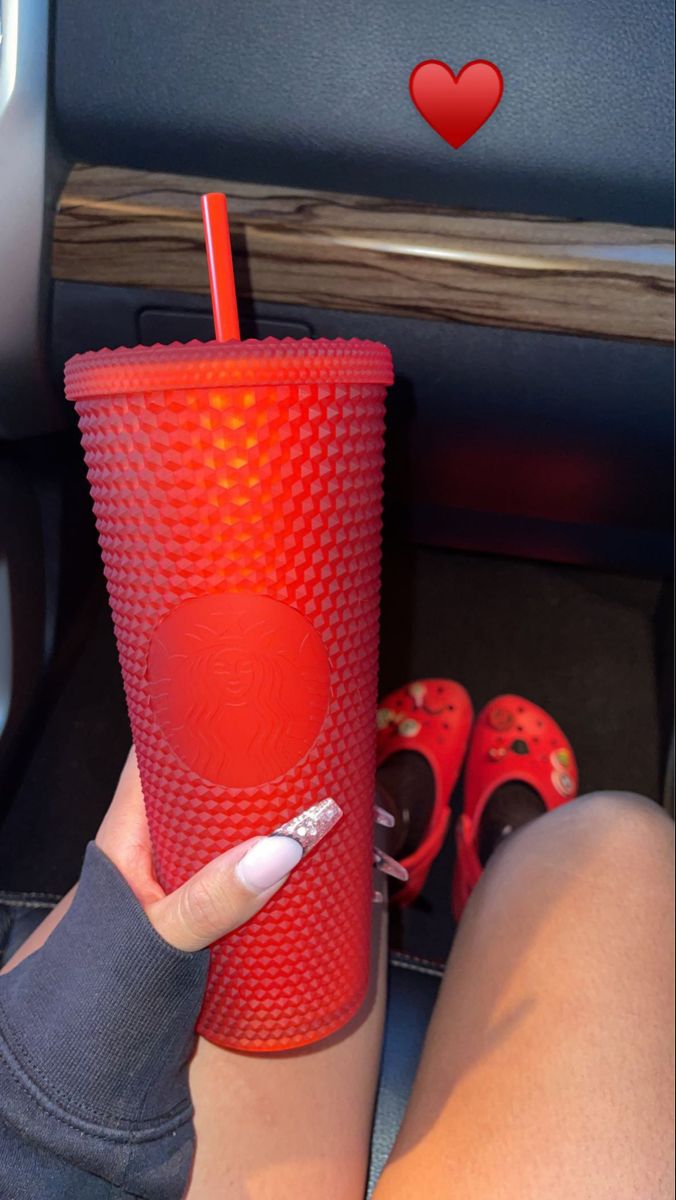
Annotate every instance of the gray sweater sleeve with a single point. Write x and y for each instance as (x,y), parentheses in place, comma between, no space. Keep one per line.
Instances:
(96,1030)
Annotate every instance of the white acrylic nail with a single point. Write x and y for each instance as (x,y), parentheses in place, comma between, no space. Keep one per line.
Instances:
(384,818)
(271,859)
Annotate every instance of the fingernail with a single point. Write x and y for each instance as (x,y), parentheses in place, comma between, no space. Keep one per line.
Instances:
(271,859)
(383,817)
(389,866)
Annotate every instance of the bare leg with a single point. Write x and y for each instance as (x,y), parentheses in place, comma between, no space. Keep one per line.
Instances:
(548,1067)
(291,1126)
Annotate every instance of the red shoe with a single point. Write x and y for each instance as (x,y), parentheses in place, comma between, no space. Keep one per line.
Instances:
(434,718)
(512,741)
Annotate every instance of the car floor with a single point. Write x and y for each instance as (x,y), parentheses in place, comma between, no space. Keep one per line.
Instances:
(579,643)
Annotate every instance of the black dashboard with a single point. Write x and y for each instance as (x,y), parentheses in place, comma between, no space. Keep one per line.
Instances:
(316,95)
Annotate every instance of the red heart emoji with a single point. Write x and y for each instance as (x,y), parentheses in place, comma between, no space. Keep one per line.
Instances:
(456,106)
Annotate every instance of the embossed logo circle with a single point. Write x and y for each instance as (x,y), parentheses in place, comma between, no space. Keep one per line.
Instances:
(239,684)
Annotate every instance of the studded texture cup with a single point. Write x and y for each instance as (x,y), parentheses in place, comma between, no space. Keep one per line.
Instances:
(237,495)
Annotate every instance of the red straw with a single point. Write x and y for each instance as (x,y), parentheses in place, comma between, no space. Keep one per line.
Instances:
(219,258)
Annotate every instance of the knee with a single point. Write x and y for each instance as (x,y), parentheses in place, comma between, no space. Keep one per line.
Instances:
(625,814)
(608,852)
(621,827)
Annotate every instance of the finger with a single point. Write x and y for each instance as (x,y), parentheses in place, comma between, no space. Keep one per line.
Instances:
(235,886)
(126,814)
(123,834)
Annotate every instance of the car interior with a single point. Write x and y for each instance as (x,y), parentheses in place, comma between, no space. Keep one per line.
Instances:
(523,283)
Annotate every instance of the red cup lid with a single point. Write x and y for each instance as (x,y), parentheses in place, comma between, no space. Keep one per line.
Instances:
(196,364)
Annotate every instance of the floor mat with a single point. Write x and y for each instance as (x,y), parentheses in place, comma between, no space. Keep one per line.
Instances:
(578,643)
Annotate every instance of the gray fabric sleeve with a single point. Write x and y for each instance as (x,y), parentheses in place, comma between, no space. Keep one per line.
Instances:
(96,1030)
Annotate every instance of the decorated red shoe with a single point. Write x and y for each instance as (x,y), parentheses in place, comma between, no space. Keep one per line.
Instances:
(423,730)
(520,764)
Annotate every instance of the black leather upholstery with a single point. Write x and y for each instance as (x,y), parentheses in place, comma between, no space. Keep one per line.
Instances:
(500,440)
(20,915)
(316,95)
(413,984)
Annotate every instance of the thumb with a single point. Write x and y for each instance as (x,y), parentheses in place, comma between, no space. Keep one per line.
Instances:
(235,886)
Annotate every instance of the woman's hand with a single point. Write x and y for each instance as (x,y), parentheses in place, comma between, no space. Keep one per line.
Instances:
(98,1026)
(224,894)
(227,892)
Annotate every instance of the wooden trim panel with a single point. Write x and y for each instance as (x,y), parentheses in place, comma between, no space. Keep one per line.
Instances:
(117,226)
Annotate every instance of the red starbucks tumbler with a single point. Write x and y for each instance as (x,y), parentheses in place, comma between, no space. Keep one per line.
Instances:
(237,494)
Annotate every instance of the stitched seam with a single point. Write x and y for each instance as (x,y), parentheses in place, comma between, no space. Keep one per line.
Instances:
(48,1089)
(401,955)
(417,970)
(104,1133)
(23,1136)
(9,896)
(6,903)
(62,1096)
